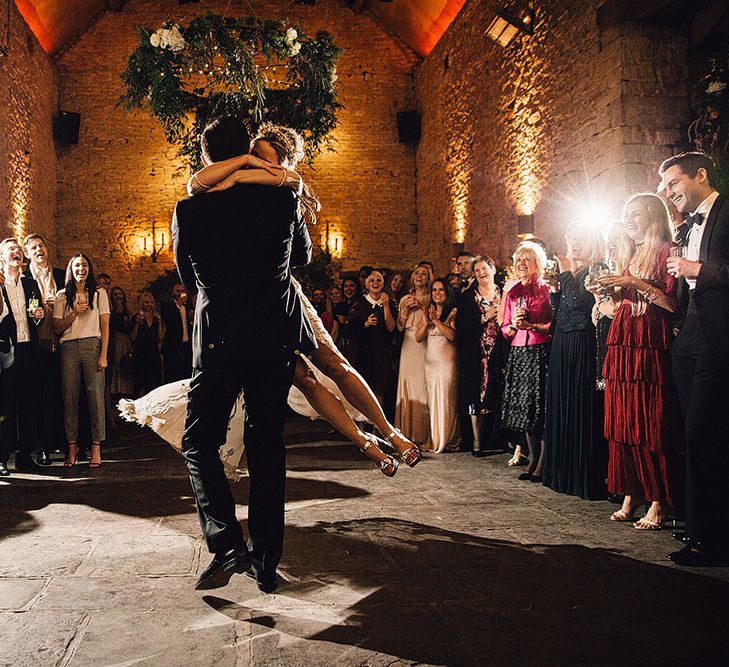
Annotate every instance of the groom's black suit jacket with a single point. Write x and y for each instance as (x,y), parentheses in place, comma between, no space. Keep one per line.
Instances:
(235,248)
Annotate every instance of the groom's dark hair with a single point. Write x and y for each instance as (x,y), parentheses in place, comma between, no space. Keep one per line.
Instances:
(223,138)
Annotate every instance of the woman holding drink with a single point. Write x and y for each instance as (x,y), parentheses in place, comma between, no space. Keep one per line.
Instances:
(527,319)
(81,318)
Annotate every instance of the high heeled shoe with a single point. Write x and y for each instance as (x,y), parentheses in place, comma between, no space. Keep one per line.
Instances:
(388,465)
(95,462)
(70,461)
(411,456)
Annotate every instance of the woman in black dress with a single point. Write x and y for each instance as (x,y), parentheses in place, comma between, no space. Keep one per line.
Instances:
(147,334)
(375,323)
(344,312)
(478,335)
(575,457)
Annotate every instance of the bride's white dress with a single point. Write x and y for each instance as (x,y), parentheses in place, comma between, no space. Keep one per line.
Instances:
(164,409)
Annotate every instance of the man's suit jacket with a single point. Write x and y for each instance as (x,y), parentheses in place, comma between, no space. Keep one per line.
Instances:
(235,248)
(170,314)
(712,286)
(8,327)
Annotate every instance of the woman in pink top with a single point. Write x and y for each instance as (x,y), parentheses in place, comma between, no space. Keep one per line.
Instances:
(527,317)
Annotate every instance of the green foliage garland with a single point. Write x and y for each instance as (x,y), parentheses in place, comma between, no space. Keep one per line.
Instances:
(247,67)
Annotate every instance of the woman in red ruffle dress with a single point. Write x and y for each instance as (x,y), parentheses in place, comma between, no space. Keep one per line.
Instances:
(642,414)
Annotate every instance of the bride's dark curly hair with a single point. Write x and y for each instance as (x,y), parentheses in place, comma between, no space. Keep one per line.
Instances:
(289,147)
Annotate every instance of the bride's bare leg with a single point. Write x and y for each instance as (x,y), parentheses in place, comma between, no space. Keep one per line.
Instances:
(330,407)
(359,394)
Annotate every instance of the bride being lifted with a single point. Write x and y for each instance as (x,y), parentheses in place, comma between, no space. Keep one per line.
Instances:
(276,153)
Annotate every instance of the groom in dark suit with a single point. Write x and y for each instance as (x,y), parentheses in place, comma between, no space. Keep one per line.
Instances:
(235,248)
(700,354)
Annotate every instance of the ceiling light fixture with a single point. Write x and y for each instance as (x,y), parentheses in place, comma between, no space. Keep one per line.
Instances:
(507,25)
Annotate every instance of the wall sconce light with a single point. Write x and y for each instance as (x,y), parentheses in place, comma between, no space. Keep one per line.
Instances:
(525,227)
(507,25)
(151,245)
(335,245)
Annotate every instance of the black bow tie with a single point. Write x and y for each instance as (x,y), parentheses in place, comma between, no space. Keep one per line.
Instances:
(695,219)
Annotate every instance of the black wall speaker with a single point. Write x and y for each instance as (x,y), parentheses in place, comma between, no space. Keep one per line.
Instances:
(66,126)
(408,127)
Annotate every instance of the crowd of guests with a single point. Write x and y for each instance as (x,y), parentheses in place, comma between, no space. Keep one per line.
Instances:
(70,348)
(569,362)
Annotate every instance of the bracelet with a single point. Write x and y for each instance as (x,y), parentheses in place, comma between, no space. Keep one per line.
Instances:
(197,182)
(648,295)
(283,180)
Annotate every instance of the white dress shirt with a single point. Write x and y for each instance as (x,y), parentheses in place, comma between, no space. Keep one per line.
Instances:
(693,245)
(16,296)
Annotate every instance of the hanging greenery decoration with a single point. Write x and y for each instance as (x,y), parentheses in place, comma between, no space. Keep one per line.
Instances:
(251,68)
(709,132)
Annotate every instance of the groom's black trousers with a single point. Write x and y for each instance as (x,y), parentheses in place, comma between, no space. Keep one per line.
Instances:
(213,393)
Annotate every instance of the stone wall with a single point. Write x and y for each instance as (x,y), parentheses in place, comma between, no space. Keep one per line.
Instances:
(568,118)
(122,176)
(28,167)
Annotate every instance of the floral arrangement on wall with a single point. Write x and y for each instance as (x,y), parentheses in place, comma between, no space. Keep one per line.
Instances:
(251,68)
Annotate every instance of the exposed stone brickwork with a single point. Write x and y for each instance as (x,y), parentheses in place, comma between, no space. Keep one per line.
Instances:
(541,125)
(28,166)
(122,176)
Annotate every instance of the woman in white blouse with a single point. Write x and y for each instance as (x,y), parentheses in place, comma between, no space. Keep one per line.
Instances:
(81,318)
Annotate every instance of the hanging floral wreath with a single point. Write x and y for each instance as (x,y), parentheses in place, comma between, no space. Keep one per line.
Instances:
(256,70)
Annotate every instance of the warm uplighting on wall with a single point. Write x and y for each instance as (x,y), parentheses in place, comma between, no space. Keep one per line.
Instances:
(19,163)
(459,184)
(507,25)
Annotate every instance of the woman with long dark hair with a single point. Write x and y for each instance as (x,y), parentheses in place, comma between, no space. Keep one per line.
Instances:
(81,318)
(437,330)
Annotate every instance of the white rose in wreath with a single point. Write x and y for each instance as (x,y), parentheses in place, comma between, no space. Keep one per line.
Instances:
(176,41)
(295,48)
(164,41)
(291,35)
(154,40)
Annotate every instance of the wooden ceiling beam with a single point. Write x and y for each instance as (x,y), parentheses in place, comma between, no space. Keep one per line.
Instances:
(706,20)
(615,11)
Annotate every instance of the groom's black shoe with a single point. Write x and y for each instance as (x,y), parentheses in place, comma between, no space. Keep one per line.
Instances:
(266,583)
(223,567)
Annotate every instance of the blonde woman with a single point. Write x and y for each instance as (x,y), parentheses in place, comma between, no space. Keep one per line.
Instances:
(575,452)
(411,404)
(642,414)
(527,318)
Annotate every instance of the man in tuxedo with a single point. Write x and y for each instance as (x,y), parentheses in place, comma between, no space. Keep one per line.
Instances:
(700,354)
(464,265)
(176,350)
(50,279)
(19,384)
(236,248)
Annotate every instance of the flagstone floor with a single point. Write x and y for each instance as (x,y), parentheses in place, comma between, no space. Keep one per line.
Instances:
(451,563)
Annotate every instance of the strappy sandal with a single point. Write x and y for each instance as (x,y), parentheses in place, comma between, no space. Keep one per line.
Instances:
(95,463)
(70,461)
(621,516)
(388,465)
(410,456)
(647,524)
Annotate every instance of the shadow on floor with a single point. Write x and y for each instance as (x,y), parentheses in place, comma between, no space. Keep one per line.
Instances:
(441,597)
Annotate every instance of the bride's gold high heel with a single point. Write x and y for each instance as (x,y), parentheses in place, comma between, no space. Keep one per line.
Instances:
(411,455)
(388,465)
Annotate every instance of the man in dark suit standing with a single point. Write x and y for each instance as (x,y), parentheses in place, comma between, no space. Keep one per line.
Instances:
(19,384)
(176,350)
(50,279)
(236,247)
(700,354)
